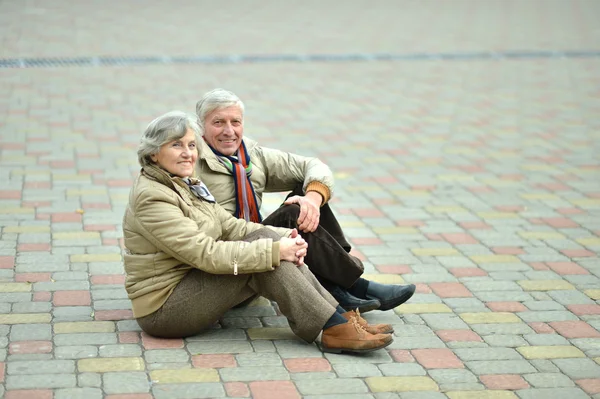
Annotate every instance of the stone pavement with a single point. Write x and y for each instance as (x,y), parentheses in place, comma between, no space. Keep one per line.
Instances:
(475,177)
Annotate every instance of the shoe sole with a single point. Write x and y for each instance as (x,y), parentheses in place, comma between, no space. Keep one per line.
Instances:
(398,301)
(345,350)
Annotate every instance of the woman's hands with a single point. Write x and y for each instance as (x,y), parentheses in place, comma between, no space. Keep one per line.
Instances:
(293,249)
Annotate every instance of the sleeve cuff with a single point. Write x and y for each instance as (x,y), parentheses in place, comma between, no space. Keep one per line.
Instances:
(275,254)
(321,189)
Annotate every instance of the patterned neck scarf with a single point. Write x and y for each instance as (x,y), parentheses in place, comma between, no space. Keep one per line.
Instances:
(199,189)
(240,167)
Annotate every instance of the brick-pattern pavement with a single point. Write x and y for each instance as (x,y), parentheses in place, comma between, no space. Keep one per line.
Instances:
(477,180)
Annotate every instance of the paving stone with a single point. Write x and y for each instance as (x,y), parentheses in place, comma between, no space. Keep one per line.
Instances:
(543,305)
(41,367)
(188,391)
(452,376)
(376,357)
(500,367)
(408,308)
(550,352)
(25,318)
(503,296)
(401,369)
(413,331)
(509,341)
(502,329)
(85,339)
(125,382)
(258,359)
(544,366)
(254,374)
(296,349)
(128,325)
(123,350)
(31,307)
(465,305)
(75,352)
(547,316)
(417,343)
(487,354)
(312,376)
(548,380)
(545,339)
(81,393)
(72,313)
(217,347)
(416,395)
(336,386)
(400,384)
(168,366)
(31,332)
(263,346)
(340,396)
(183,376)
(569,297)
(443,321)
(542,393)
(495,394)
(84,327)
(358,370)
(467,387)
(166,356)
(52,286)
(41,381)
(92,380)
(489,318)
(578,369)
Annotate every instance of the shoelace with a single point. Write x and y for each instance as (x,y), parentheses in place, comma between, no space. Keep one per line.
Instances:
(358,326)
(360,320)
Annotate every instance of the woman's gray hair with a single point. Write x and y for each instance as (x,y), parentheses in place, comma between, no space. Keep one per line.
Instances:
(216,99)
(164,129)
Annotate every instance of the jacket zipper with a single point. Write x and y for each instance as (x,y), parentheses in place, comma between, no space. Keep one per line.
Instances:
(235,263)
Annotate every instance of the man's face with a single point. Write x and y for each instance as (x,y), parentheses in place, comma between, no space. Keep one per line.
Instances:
(224,129)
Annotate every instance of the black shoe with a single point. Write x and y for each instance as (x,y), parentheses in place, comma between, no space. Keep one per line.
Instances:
(390,295)
(350,302)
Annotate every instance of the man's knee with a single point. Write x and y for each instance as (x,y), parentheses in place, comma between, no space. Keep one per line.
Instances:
(287,216)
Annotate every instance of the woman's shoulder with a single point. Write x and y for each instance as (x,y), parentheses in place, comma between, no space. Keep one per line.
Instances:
(145,187)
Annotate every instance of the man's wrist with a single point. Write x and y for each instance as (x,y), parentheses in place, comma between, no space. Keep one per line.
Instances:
(316,197)
(319,188)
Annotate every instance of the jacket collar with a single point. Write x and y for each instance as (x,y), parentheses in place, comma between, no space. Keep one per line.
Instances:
(206,155)
(173,182)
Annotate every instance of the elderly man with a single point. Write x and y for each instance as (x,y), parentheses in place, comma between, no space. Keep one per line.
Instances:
(237,171)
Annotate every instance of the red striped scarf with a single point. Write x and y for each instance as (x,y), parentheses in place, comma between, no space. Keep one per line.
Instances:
(240,166)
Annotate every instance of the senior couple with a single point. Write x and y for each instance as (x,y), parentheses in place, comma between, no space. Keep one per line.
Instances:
(197,246)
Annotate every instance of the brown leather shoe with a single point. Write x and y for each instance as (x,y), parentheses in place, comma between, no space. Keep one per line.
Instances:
(352,337)
(372,328)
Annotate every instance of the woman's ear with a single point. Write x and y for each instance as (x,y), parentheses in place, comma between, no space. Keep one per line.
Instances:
(153,157)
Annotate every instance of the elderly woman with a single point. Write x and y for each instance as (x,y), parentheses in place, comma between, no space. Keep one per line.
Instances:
(188,260)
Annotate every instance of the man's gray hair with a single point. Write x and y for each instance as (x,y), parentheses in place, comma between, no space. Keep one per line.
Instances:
(164,129)
(213,100)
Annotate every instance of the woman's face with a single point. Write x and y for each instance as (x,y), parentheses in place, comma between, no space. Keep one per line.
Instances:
(178,157)
(224,129)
